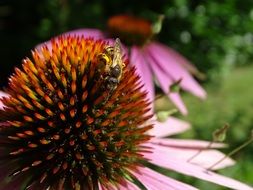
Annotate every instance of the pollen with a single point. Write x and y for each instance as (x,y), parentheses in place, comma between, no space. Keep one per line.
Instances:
(63,128)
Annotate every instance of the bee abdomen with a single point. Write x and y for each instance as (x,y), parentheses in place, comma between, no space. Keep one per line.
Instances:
(112,83)
(116,71)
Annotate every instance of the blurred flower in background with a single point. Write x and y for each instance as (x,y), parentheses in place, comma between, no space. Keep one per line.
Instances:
(63,126)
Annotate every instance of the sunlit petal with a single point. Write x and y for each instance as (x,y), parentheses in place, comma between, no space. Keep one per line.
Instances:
(169,127)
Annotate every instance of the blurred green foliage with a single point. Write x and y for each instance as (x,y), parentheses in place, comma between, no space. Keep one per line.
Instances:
(212,34)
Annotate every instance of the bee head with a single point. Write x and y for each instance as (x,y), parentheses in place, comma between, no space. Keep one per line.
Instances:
(104,61)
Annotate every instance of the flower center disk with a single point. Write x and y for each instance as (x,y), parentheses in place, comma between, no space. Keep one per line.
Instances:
(64,125)
(131,30)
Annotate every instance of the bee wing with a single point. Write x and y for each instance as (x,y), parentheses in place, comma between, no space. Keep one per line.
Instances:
(117,50)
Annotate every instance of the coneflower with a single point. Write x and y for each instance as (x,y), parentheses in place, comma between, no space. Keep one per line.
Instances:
(64,125)
(75,117)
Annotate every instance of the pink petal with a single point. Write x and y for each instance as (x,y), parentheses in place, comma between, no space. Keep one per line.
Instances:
(170,127)
(87,32)
(94,33)
(100,187)
(153,180)
(124,185)
(201,159)
(205,158)
(109,187)
(165,82)
(143,70)
(1,105)
(127,185)
(181,60)
(169,162)
(176,99)
(169,64)
(1,95)
(181,143)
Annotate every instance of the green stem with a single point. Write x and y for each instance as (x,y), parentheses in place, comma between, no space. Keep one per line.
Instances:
(231,153)
(200,150)
(158,96)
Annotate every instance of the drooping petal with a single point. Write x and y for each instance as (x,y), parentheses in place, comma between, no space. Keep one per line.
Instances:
(153,180)
(169,127)
(169,63)
(205,158)
(165,82)
(158,158)
(144,71)
(176,99)
(182,143)
(183,61)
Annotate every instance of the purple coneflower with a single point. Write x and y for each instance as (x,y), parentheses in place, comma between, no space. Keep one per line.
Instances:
(76,117)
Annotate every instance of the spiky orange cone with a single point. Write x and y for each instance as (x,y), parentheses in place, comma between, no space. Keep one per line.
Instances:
(63,128)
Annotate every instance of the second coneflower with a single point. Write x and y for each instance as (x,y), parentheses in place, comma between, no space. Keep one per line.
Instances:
(75,117)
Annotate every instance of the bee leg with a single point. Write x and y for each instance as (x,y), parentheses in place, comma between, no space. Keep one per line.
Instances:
(110,84)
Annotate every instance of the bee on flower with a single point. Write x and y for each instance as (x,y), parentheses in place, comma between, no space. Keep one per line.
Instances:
(113,64)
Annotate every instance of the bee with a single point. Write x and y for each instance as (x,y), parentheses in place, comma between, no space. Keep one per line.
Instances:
(113,64)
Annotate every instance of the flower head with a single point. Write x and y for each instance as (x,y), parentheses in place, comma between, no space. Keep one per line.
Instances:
(70,122)
(131,30)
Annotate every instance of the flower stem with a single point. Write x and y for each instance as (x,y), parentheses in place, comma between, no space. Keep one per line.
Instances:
(200,150)
(231,153)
